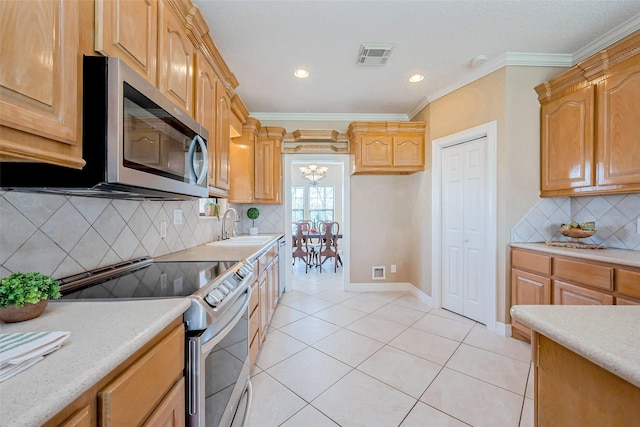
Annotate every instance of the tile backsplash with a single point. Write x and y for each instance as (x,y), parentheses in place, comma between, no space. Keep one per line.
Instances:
(616,219)
(63,235)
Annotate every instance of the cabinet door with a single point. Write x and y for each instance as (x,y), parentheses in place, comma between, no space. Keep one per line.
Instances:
(241,159)
(81,418)
(566,143)
(39,97)
(266,174)
(528,288)
(618,159)
(176,60)
(171,411)
(222,138)
(128,29)
(264,305)
(376,151)
(408,151)
(568,294)
(205,108)
(273,290)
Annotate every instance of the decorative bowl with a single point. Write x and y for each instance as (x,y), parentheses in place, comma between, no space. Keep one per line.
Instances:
(577,233)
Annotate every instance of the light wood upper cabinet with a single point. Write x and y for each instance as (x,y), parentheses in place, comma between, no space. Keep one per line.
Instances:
(128,29)
(567,142)
(387,147)
(242,158)
(590,125)
(619,128)
(176,54)
(39,92)
(206,84)
(268,165)
(222,138)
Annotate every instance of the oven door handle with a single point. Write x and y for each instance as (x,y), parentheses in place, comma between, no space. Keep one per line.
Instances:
(249,390)
(207,346)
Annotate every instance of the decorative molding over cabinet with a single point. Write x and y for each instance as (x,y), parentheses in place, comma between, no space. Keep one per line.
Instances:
(387,147)
(315,141)
(40,101)
(590,125)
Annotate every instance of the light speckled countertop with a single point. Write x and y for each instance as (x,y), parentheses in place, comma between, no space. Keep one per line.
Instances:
(605,335)
(103,335)
(219,253)
(610,255)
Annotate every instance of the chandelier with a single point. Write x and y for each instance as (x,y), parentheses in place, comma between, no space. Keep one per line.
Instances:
(314,173)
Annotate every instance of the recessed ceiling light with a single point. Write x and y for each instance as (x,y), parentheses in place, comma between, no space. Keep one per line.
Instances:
(416,78)
(301,73)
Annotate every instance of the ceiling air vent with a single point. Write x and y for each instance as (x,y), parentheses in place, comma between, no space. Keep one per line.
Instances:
(374,54)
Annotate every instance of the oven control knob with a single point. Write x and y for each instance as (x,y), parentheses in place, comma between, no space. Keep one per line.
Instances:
(229,284)
(222,288)
(243,271)
(213,299)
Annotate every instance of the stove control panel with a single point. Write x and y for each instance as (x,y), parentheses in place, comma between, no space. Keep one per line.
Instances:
(226,285)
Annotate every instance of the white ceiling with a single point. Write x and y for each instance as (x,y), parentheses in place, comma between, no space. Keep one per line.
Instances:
(264,41)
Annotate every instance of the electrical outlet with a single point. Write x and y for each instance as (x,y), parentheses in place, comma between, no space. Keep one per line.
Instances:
(638,227)
(163,229)
(177,216)
(393,268)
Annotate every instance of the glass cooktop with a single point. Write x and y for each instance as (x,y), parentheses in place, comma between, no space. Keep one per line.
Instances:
(155,280)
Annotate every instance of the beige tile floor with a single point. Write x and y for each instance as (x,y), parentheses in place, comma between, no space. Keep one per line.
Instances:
(384,359)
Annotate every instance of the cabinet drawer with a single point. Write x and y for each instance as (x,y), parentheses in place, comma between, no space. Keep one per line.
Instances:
(568,294)
(133,395)
(625,301)
(628,283)
(531,262)
(584,273)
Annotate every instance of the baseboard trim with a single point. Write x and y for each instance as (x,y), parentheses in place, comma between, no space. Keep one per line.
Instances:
(397,286)
(503,329)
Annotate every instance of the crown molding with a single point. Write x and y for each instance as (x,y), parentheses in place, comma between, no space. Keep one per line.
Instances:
(618,33)
(330,117)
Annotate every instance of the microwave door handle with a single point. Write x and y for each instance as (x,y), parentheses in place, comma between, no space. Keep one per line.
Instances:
(197,140)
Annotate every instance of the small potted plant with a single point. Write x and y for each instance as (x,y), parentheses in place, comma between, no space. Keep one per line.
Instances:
(253,214)
(24,296)
(211,209)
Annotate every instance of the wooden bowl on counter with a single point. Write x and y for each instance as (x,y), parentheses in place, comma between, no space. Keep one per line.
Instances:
(577,233)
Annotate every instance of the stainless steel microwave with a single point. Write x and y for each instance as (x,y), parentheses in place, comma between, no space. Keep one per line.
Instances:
(137,144)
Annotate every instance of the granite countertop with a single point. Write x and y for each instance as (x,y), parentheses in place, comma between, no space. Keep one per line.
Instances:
(208,252)
(605,335)
(609,255)
(103,335)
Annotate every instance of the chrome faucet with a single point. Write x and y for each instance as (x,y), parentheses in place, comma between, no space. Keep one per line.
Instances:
(236,219)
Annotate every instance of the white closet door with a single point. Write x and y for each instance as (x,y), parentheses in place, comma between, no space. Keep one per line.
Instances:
(465,208)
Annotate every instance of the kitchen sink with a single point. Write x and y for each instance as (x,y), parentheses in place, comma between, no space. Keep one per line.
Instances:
(248,240)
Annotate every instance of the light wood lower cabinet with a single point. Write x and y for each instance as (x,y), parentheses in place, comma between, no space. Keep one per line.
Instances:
(147,389)
(527,289)
(265,287)
(543,278)
(572,391)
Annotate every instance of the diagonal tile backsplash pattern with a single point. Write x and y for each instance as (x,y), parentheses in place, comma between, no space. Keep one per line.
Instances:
(616,219)
(64,235)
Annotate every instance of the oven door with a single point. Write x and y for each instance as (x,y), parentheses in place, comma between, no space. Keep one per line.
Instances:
(218,370)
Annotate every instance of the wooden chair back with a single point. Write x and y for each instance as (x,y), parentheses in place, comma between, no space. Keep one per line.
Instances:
(329,243)
(300,243)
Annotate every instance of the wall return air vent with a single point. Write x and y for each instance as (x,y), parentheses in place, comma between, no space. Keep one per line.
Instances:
(374,54)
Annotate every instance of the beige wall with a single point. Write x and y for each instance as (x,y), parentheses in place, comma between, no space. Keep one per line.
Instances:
(506,96)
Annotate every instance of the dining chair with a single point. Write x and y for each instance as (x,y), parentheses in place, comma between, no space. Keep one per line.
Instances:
(329,244)
(301,244)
